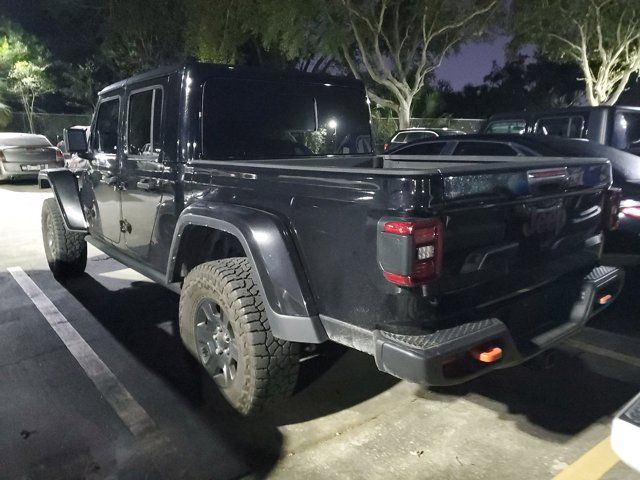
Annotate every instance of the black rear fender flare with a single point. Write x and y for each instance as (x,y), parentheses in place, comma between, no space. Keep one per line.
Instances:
(268,244)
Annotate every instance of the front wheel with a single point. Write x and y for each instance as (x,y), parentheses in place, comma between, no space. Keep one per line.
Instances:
(224,325)
(66,251)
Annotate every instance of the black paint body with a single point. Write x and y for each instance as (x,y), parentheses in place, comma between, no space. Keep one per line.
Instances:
(310,225)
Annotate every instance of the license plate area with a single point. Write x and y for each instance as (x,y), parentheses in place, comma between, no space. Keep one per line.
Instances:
(32,168)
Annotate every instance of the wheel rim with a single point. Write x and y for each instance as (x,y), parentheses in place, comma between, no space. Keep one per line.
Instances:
(50,235)
(217,344)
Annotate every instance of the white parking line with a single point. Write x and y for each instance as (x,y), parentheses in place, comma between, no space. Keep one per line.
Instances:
(130,412)
(604,352)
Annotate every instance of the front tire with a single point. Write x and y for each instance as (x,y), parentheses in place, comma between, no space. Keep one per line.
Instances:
(66,251)
(224,325)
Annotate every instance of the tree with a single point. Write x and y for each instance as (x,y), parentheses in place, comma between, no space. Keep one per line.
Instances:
(397,44)
(601,36)
(28,80)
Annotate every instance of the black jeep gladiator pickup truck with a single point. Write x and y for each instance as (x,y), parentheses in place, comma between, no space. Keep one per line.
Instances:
(257,197)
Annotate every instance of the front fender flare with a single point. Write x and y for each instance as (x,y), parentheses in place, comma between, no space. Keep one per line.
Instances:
(268,245)
(65,190)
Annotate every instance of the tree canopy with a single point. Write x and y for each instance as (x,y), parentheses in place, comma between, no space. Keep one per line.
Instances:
(601,36)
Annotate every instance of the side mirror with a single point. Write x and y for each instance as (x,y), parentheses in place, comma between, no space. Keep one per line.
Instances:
(75,139)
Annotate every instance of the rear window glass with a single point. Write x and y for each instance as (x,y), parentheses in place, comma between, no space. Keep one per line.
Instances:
(257,119)
(626,132)
(399,138)
(570,127)
(484,148)
(24,140)
(506,126)
(433,148)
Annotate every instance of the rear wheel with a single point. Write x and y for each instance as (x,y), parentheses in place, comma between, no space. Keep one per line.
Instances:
(66,251)
(224,325)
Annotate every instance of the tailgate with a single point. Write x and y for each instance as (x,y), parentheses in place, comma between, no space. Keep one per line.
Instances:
(517,223)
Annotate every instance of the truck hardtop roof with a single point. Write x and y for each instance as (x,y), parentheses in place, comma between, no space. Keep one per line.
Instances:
(527,114)
(202,70)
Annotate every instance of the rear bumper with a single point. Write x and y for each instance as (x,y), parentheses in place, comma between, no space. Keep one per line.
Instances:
(14,171)
(444,357)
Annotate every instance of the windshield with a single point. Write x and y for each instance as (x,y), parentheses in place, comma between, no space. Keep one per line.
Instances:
(256,119)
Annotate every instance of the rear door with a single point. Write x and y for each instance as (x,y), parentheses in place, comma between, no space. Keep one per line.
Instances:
(144,173)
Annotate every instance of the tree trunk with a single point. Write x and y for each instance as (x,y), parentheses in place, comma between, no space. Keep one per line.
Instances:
(404,113)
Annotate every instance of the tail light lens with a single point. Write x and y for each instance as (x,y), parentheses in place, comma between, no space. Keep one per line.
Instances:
(386,145)
(59,156)
(410,251)
(612,208)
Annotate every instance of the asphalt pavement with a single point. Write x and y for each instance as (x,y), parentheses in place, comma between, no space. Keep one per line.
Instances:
(94,383)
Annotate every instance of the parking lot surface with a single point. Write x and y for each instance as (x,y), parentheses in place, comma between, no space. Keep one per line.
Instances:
(95,383)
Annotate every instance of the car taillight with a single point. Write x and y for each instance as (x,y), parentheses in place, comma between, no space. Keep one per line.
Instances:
(59,156)
(630,208)
(612,200)
(386,145)
(410,251)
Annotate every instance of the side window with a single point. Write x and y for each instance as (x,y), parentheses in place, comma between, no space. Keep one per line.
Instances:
(105,137)
(484,148)
(626,132)
(570,127)
(143,125)
(433,148)
(399,138)
(506,126)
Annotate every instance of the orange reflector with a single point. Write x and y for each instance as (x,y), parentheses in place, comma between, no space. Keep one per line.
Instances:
(487,356)
(605,299)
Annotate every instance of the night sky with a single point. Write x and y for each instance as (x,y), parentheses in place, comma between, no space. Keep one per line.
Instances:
(472,62)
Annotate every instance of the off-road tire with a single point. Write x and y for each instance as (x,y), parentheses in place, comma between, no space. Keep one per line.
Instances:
(66,251)
(267,367)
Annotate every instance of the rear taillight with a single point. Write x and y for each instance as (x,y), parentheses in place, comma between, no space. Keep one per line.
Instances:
(386,145)
(59,156)
(612,200)
(410,251)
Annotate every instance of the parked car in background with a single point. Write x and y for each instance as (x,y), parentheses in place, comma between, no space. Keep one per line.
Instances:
(625,434)
(616,126)
(625,166)
(23,155)
(400,137)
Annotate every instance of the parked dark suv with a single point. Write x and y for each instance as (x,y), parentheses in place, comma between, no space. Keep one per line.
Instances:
(616,126)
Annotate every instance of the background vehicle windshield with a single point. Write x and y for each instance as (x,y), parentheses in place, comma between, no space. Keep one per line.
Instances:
(256,119)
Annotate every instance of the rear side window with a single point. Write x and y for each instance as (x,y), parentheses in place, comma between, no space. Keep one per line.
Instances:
(413,136)
(253,119)
(484,148)
(626,132)
(570,127)
(143,126)
(399,138)
(105,138)
(506,126)
(433,148)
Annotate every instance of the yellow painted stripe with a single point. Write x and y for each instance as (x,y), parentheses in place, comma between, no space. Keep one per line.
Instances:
(592,465)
